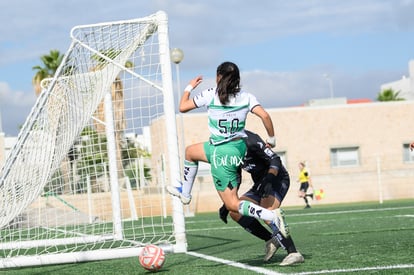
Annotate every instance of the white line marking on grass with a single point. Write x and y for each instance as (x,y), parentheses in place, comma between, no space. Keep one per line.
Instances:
(256,269)
(379,268)
(405,216)
(348,211)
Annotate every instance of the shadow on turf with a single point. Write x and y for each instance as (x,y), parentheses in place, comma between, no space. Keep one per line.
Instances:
(255,258)
(212,241)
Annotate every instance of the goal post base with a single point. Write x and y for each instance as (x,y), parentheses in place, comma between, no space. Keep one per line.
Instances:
(92,160)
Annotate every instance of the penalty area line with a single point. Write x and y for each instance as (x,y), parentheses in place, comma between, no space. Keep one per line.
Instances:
(256,269)
(377,268)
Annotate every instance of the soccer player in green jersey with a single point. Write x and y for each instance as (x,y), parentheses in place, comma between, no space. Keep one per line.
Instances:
(228,106)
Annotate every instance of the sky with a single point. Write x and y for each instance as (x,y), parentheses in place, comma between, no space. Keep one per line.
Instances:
(288,52)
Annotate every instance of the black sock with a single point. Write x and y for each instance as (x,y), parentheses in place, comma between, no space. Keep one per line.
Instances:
(253,226)
(285,243)
(306,200)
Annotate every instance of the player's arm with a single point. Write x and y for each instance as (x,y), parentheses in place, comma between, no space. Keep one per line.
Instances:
(271,158)
(274,162)
(267,122)
(186,103)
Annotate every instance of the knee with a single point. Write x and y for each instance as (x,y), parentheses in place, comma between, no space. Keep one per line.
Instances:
(233,207)
(190,152)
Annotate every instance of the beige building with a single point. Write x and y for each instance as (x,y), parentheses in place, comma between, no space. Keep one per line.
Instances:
(355,152)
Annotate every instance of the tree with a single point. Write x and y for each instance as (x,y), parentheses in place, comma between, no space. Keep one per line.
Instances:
(389,95)
(93,160)
(51,63)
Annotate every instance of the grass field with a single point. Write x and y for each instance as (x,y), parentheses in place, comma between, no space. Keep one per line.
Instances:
(365,238)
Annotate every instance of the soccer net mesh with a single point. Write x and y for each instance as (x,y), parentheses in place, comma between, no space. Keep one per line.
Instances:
(86,179)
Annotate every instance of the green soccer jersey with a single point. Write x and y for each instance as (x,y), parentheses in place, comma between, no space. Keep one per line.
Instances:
(226,122)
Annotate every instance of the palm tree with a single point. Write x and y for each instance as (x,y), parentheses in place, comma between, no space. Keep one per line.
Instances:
(51,63)
(389,95)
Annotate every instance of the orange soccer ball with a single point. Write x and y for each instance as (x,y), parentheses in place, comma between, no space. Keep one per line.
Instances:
(152,257)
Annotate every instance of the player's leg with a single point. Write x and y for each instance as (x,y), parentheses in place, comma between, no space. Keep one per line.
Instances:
(256,228)
(274,201)
(305,190)
(223,213)
(225,179)
(193,154)
(302,193)
(251,224)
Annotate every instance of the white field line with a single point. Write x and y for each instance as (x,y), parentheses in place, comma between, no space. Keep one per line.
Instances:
(405,216)
(349,211)
(261,270)
(256,269)
(373,268)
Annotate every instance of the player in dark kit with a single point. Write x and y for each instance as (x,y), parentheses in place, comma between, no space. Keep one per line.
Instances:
(271,183)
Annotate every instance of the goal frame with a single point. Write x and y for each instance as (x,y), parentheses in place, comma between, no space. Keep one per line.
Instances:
(180,244)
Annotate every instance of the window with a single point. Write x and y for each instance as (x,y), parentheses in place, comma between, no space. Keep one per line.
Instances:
(408,155)
(343,157)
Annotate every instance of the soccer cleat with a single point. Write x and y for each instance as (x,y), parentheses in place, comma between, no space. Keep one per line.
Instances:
(292,258)
(177,191)
(270,249)
(279,221)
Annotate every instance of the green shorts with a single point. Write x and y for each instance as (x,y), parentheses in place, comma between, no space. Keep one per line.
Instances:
(225,160)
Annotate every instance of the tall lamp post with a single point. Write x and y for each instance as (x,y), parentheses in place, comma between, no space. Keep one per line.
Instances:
(177,55)
(330,84)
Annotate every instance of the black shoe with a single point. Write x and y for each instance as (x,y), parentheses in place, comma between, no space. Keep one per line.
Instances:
(223,212)
(307,206)
(310,195)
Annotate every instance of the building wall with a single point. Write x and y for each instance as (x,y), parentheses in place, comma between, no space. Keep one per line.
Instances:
(308,134)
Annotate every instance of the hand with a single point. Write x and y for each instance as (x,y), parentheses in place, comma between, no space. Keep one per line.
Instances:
(266,185)
(271,141)
(196,81)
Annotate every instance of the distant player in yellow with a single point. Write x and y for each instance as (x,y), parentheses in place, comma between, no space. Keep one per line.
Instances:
(305,182)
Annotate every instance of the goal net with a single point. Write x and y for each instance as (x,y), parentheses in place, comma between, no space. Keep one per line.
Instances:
(85,180)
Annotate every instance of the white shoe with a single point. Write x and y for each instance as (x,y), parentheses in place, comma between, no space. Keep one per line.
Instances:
(177,191)
(292,258)
(270,249)
(279,221)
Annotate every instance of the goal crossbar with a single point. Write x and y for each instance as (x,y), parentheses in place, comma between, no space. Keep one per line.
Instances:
(102,138)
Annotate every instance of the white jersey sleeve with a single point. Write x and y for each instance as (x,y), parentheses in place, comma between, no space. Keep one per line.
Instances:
(204,98)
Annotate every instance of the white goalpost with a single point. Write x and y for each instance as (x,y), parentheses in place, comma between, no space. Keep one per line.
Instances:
(86,178)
